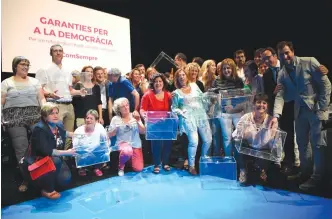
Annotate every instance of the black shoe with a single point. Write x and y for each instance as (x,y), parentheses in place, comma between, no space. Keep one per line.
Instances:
(292,173)
(286,169)
(310,184)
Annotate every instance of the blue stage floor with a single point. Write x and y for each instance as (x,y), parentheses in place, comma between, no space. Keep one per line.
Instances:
(170,195)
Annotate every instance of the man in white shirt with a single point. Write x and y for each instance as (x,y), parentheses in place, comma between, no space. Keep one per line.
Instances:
(56,82)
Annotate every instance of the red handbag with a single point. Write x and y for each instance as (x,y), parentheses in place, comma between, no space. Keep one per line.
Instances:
(41,167)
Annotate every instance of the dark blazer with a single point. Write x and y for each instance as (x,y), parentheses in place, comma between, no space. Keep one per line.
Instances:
(269,86)
(107,83)
(43,141)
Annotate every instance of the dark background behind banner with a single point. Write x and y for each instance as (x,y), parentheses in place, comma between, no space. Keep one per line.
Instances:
(215,29)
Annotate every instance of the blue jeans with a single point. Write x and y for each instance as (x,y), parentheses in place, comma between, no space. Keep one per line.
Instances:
(161,150)
(227,121)
(216,138)
(192,129)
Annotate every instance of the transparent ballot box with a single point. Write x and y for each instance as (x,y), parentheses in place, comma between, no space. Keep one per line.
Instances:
(161,125)
(218,173)
(91,149)
(203,107)
(163,63)
(265,143)
(236,100)
(126,135)
(86,78)
(212,104)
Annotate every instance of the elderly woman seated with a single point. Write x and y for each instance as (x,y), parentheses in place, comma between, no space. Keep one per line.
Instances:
(91,138)
(43,162)
(126,127)
(256,135)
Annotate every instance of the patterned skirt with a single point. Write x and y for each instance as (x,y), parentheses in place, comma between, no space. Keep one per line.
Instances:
(21,116)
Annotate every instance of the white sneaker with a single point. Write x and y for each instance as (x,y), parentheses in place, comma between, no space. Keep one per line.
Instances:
(121,173)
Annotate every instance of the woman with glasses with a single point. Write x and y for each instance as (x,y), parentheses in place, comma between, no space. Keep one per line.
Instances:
(127,127)
(21,100)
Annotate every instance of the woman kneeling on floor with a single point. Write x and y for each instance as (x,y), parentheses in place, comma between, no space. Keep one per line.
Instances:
(43,163)
(253,128)
(95,137)
(126,127)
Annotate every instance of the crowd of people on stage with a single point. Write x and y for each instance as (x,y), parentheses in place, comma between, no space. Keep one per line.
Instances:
(290,93)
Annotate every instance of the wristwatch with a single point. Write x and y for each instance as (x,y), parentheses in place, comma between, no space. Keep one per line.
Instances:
(277,116)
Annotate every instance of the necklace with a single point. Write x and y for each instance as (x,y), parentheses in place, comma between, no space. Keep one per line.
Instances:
(259,119)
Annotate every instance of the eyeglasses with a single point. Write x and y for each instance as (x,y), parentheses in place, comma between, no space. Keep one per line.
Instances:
(25,65)
(266,57)
(57,50)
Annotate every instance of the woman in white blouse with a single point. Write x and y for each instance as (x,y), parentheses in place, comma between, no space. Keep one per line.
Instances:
(254,131)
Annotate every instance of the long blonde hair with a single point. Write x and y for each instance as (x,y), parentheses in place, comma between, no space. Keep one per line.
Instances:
(207,77)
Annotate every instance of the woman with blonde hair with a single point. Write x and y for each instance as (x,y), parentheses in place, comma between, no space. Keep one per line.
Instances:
(150,72)
(187,103)
(139,85)
(208,71)
(48,142)
(193,70)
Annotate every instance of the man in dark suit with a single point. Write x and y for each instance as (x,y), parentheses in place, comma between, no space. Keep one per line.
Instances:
(99,78)
(291,160)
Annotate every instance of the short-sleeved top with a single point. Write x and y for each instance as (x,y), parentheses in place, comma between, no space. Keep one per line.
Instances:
(127,131)
(122,88)
(151,103)
(94,139)
(56,79)
(20,94)
(83,104)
